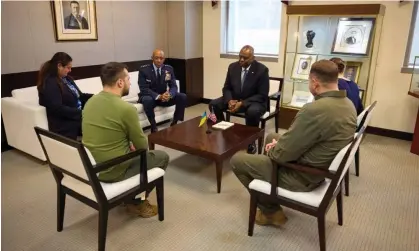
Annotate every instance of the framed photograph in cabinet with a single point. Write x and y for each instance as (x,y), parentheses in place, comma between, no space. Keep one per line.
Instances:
(353,36)
(302,66)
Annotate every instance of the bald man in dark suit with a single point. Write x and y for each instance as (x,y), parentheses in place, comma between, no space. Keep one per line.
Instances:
(246,89)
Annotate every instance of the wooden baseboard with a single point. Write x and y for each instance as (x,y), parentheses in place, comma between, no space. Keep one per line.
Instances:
(287,115)
(390,133)
(205,100)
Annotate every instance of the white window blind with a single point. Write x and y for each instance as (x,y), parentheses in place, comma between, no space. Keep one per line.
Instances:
(255,23)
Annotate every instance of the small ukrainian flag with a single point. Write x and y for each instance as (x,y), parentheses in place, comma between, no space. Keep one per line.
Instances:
(203,119)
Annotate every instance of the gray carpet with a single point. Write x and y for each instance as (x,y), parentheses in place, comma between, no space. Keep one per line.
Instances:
(382,212)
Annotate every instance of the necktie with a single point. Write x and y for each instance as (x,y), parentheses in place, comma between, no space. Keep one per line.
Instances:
(243,78)
(158,76)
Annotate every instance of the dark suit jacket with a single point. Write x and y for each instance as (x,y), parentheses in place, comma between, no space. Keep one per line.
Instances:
(352,92)
(147,81)
(255,87)
(61,105)
(70,22)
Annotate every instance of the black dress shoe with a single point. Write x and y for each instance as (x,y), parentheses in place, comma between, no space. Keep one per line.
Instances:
(173,123)
(154,129)
(251,149)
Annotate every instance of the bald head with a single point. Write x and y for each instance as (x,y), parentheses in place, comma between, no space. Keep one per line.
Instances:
(158,57)
(246,56)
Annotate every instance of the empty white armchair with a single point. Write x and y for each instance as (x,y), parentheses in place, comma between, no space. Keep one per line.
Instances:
(75,173)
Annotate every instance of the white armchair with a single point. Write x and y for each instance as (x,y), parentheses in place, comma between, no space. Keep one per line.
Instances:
(315,203)
(75,172)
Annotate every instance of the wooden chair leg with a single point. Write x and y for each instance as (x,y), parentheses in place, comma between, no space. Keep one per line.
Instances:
(261,139)
(339,200)
(103,227)
(227,116)
(160,198)
(276,123)
(60,207)
(252,213)
(357,162)
(322,232)
(347,183)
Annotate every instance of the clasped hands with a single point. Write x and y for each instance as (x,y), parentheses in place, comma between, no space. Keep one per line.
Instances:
(271,145)
(165,97)
(234,105)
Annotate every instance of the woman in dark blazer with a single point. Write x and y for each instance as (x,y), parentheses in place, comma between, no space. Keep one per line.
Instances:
(351,88)
(60,96)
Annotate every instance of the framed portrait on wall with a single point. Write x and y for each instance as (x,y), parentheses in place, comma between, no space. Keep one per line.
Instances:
(74,20)
(353,36)
(352,71)
(302,66)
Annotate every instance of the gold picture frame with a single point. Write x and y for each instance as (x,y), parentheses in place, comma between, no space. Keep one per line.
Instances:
(302,65)
(74,20)
(352,71)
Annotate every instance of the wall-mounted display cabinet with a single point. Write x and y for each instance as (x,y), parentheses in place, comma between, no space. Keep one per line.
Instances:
(315,32)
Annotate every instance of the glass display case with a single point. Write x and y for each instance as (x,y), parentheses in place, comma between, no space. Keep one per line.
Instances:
(323,32)
(414,83)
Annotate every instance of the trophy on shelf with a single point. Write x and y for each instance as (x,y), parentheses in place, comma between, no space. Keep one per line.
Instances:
(310,36)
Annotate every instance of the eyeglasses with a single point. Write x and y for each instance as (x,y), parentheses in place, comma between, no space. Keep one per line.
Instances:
(161,58)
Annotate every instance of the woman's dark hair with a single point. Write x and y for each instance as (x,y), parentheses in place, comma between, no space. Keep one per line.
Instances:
(340,63)
(50,68)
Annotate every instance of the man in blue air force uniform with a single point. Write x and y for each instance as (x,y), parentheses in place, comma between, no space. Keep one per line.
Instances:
(158,87)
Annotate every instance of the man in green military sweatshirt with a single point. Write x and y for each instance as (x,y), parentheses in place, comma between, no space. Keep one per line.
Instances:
(319,131)
(109,125)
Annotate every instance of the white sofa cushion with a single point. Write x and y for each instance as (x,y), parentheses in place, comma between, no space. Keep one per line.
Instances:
(89,85)
(313,198)
(132,96)
(28,95)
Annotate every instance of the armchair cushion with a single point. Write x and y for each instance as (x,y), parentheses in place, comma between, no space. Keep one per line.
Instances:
(313,198)
(111,190)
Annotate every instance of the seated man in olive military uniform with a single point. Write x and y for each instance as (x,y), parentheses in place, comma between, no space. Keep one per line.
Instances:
(319,131)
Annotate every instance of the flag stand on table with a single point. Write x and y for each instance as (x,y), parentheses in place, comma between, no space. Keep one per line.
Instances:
(209,120)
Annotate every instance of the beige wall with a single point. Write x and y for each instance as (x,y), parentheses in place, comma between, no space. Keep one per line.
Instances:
(128,31)
(176,29)
(395,109)
(193,29)
(184,29)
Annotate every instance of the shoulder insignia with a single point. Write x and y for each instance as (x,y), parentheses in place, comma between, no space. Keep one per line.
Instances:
(146,65)
(168,66)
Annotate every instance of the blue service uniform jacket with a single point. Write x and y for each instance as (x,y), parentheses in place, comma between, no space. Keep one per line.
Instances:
(147,80)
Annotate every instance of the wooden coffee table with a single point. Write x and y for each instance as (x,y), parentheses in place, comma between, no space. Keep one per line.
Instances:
(216,146)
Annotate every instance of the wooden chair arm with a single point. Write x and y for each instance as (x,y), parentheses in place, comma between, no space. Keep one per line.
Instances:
(301,168)
(118,160)
(275,96)
(307,169)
